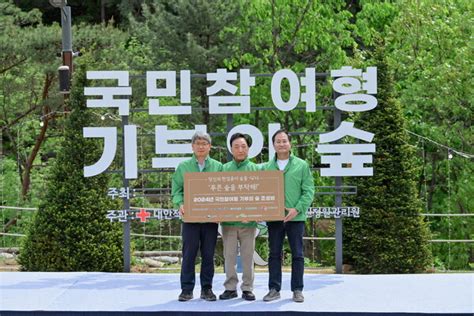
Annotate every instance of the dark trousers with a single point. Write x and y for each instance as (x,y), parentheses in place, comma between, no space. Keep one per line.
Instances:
(276,236)
(198,236)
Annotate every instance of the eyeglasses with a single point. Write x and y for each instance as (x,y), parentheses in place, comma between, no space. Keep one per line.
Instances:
(201,144)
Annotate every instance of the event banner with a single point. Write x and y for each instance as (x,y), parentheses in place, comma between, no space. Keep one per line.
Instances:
(233,196)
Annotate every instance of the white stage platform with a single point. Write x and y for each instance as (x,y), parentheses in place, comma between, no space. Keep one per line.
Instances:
(78,293)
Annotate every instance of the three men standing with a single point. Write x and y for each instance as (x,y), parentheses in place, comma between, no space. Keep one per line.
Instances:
(299,194)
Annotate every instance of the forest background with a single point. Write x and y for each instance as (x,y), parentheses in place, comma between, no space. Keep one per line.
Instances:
(427,48)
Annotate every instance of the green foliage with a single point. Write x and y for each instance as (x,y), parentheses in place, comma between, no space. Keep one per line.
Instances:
(429,49)
(9,184)
(390,236)
(373,21)
(192,35)
(295,34)
(11,221)
(70,231)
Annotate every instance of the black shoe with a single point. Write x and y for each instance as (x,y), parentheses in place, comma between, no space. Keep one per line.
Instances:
(227,295)
(208,295)
(248,296)
(185,296)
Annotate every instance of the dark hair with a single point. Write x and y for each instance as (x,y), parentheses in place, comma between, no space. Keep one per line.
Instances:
(279,132)
(239,135)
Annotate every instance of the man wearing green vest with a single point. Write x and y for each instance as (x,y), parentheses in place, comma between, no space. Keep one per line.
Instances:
(243,233)
(196,236)
(299,194)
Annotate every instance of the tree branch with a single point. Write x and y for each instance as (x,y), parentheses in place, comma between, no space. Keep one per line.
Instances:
(274,37)
(18,118)
(298,27)
(3,70)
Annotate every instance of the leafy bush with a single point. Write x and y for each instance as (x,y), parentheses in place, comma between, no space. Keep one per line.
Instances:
(70,231)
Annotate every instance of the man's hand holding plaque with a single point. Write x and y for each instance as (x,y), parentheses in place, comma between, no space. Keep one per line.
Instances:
(233,196)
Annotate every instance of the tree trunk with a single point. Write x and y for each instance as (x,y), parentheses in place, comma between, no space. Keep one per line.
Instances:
(25,187)
(102,11)
(205,106)
(432,187)
(26,175)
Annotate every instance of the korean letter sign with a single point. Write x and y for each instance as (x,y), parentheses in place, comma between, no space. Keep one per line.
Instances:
(233,196)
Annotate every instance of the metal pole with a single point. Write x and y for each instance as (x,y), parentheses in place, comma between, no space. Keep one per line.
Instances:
(230,125)
(66,37)
(338,202)
(126,205)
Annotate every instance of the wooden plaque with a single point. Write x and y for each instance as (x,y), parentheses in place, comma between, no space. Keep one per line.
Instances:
(233,196)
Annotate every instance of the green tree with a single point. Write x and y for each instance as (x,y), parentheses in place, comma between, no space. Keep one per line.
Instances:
(296,34)
(429,49)
(195,35)
(26,80)
(30,104)
(70,231)
(390,236)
